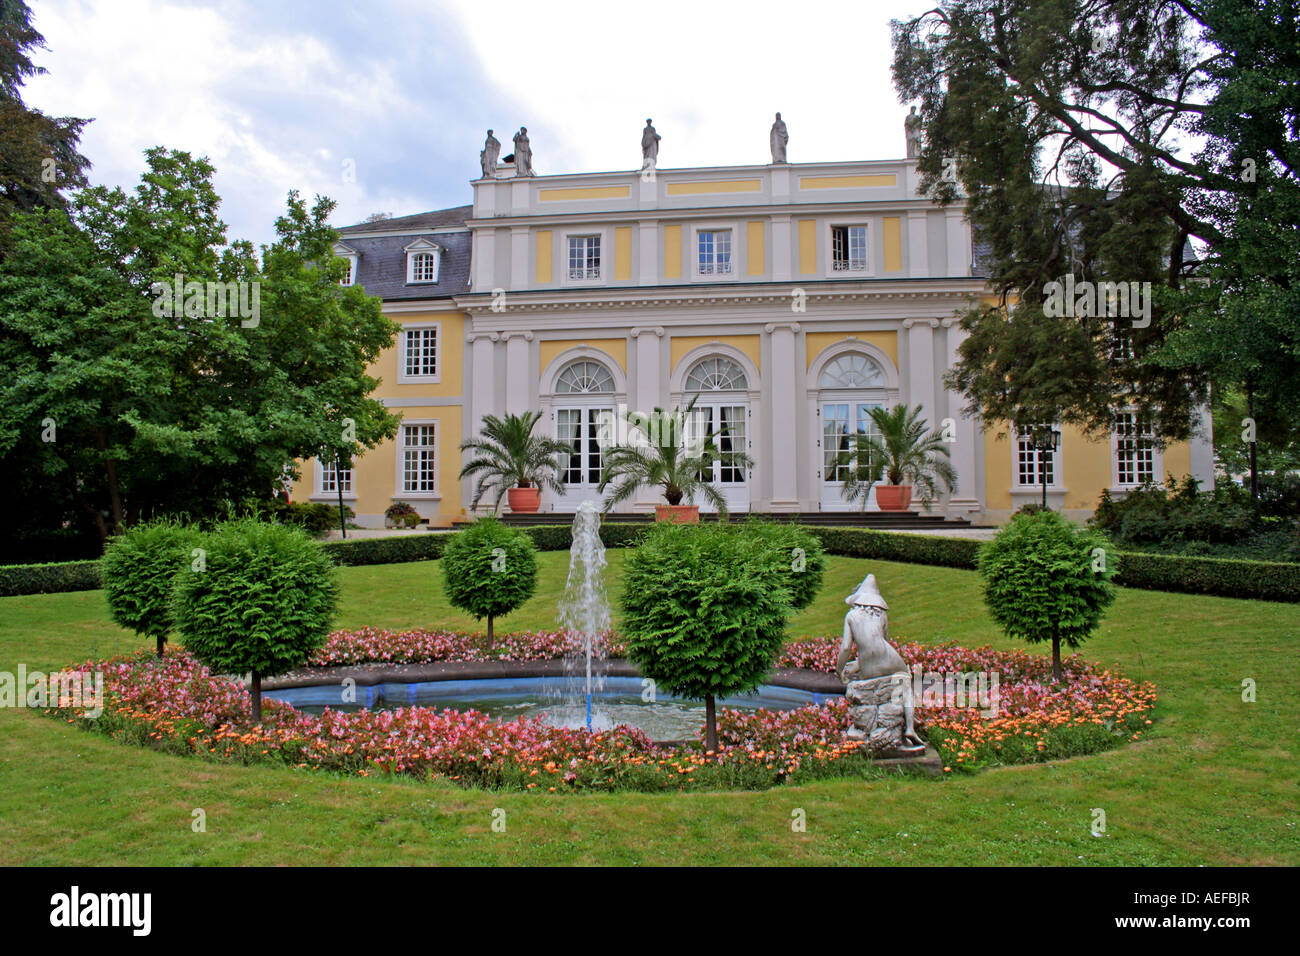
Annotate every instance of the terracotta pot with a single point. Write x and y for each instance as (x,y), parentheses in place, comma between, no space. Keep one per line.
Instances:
(678,514)
(893,497)
(524,500)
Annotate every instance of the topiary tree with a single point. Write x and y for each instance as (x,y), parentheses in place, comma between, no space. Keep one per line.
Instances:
(490,570)
(138,570)
(704,611)
(260,599)
(1046,579)
(803,557)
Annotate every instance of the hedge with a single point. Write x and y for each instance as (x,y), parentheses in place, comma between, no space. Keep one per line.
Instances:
(1224,577)
(49,578)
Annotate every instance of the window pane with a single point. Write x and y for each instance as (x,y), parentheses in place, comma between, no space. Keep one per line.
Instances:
(419,452)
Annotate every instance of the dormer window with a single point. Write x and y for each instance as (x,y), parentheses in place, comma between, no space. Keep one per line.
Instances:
(423,259)
(348,254)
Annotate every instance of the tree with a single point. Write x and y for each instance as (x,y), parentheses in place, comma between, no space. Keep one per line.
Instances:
(489,570)
(666,451)
(1061,123)
(902,453)
(261,600)
(137,398)
(38,153)
(1047,580)
(803,559)
(139,571)
(704,611)
(508,455)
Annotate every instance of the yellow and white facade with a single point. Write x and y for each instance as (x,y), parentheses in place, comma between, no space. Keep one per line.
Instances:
(788,298)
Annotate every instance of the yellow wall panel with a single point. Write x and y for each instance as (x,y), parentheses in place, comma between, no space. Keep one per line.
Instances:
(891,226)
(623,253)
(846,182)
(746,344)
(545,275)
(550,348)
(672,252)
(817,342)
(584,192)
(807,246)
(757,250)
(716,186)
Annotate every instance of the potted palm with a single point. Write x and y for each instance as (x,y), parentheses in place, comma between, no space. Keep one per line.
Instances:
(510,460)
(660,455)
(904,454)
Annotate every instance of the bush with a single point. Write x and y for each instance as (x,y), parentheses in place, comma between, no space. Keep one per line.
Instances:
(892,546)
(399,513)
(362,551)
(138,570)
(704,610)
(260,599)
(490,570)
(1175,513)
(1047,580)
(18,579)
(804,559)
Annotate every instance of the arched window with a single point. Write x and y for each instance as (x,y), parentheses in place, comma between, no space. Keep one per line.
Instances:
(716,375)
(584,377)
(852,370)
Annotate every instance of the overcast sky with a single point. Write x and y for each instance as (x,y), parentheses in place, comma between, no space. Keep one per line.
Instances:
(292,94)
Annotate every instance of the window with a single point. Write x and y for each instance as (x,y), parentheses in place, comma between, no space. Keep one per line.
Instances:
(1028,458)
(852,370)
(584,257)
(582,377)
(587,432)
(848,248)
(419,353)
(1135,454)
(714,252)
(422,261)
(419,459)
(1121,345)
(842,452)
(349,256)
(716,374)
(331,478)
(347,276)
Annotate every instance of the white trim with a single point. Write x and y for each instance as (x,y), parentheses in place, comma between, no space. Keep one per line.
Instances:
(344,251)
(1056,485)
(604,233)
(867,222)
(731,226)
(849,344)
(399,492)
(677,378)
(1157,457)
(422,247)
(439,345)
(577,354)
(318,491)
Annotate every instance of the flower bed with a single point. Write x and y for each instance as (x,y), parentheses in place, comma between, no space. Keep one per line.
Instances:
(176,704)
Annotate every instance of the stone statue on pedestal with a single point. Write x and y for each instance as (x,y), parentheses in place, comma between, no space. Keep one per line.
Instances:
(523,153)
(487,157)
(649,146)
(877,682)
(779,138)
(912,130)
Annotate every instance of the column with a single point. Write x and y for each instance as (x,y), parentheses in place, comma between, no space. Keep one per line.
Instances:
(782,249)
(918,255)
(784,426)
(965,497)
(482,387)
(645,395)
(648,244)
(518,380)
(920,366)
(959,249)
(519,275)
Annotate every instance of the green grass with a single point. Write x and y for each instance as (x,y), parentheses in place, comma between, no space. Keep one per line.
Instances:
(1213,783)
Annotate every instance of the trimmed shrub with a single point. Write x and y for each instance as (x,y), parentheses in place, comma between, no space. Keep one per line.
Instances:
(490,570)
(18,579)
(1226,577)
(893,546)
(261,600)
(704,611)
(1047,580)
(804,559)
(138,571)
(397,550)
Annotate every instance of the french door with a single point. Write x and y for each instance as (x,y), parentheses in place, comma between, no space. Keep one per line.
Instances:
(587,431)
(841,421)
(729,425)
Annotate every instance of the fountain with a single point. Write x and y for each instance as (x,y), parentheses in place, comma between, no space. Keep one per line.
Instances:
(584,610)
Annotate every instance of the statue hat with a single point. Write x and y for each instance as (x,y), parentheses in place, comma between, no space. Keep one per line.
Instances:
(867,594)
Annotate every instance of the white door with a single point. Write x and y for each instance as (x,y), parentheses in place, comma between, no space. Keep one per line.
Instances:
(586,430)
(729,425)
(839,421)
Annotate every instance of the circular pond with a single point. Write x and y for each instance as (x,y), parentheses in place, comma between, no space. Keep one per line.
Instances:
(621,700)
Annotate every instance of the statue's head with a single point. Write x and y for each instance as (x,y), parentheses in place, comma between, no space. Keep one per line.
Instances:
(648,121)
(913,110)
(489,132)
(778,115)
(867,594)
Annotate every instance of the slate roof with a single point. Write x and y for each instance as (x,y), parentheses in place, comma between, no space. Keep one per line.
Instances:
(381,263)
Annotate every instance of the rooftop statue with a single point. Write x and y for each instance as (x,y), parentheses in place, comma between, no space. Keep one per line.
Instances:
(487,156)
(523,153)
(912,130)
(779,137)
(649,146)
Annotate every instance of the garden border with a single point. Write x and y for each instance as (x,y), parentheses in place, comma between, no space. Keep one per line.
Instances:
(1221,577)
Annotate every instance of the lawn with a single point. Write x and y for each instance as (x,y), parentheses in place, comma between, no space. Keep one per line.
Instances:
(1214,781)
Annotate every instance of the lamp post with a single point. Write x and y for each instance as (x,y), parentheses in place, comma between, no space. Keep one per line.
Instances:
(1045,438)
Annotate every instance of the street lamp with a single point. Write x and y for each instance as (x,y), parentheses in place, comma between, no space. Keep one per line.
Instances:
(1045,438)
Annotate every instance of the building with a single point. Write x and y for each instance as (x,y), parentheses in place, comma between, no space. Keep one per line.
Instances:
(789,297)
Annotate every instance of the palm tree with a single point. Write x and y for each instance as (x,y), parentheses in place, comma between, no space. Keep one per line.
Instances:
(902,453)
(508,455)
(667,460)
